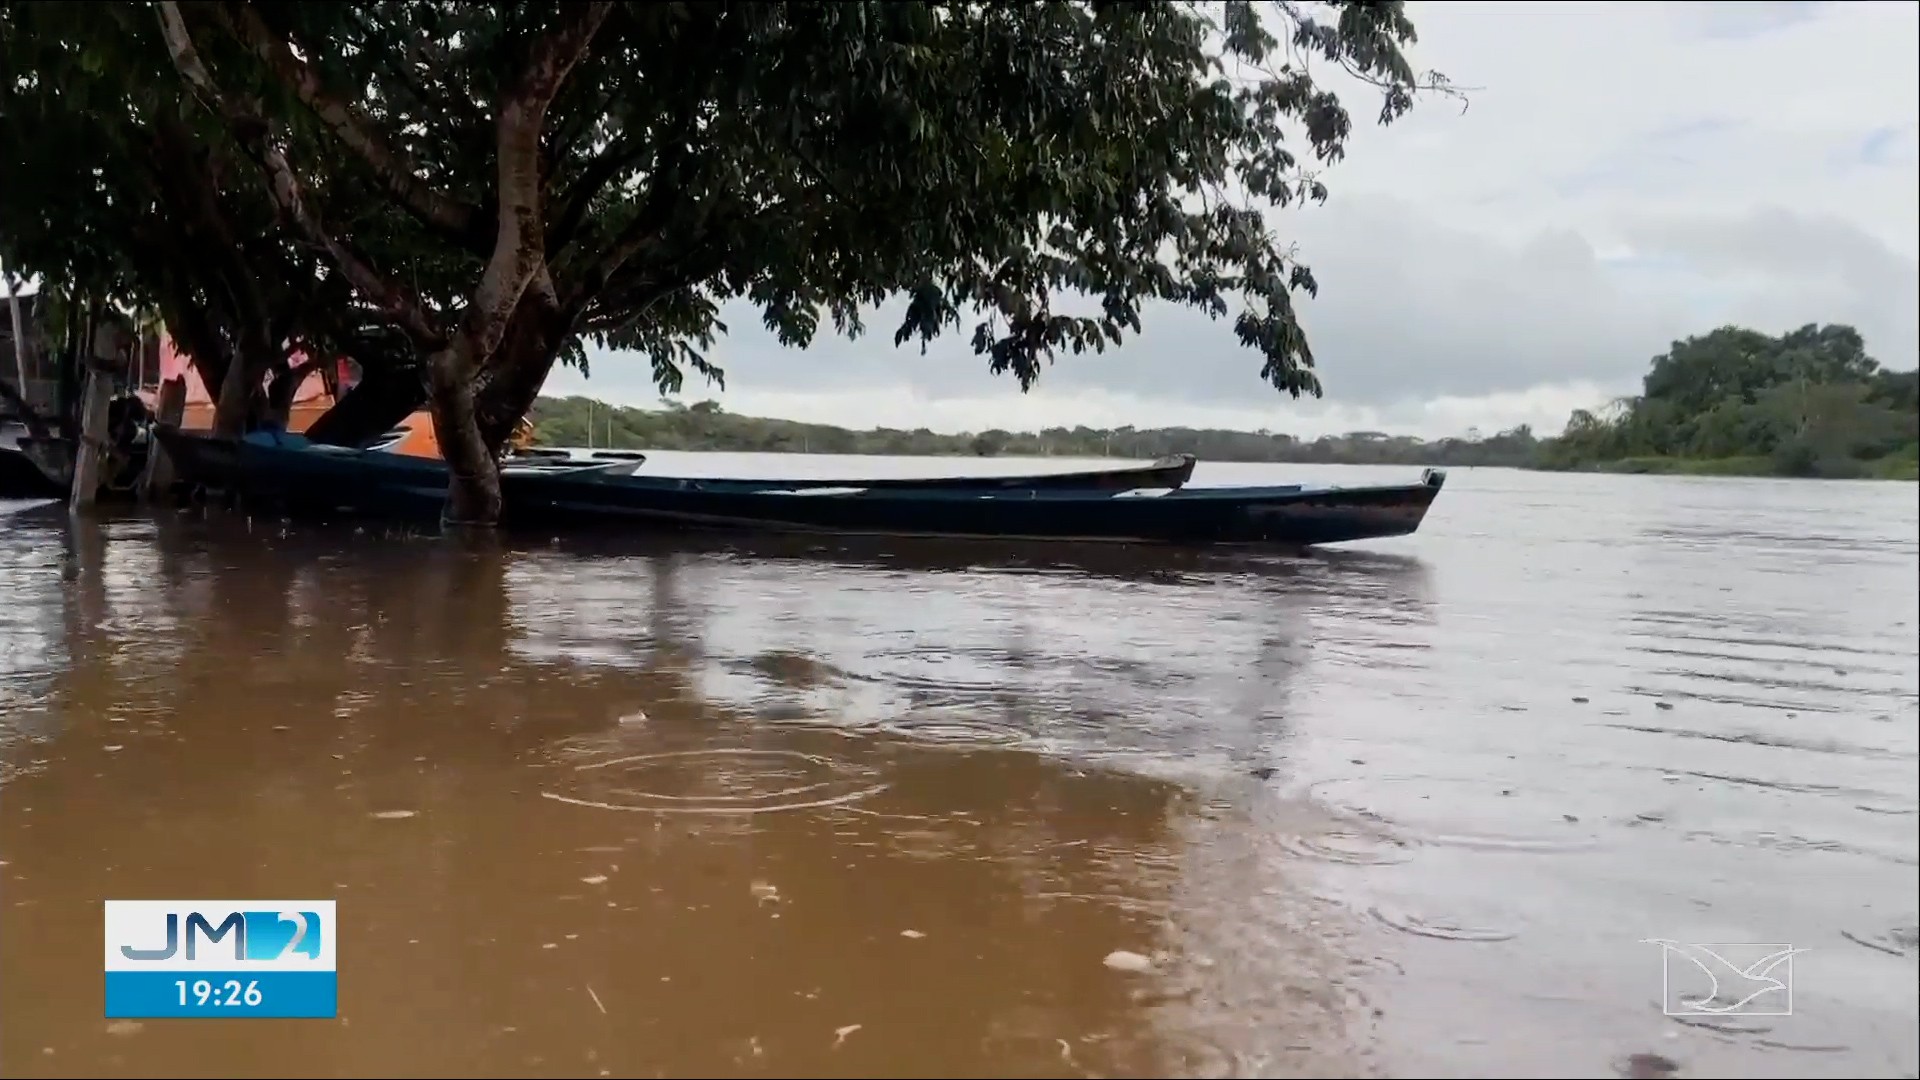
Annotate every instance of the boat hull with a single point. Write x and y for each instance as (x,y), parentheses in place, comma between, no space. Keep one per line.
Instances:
(21,477)
(326,480)
(1196,516)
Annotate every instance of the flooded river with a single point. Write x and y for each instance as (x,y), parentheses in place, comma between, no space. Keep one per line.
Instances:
(1414,808)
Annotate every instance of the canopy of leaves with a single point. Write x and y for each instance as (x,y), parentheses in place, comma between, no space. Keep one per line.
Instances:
(992,163)
(1811,401)
(1735,362)
(115,190)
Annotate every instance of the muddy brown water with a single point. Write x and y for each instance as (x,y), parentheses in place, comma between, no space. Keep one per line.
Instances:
(811,809)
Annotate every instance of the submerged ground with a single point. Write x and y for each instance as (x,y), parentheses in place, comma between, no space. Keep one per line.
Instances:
(890,810)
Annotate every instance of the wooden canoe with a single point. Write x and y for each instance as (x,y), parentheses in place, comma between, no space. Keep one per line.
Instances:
(559,493)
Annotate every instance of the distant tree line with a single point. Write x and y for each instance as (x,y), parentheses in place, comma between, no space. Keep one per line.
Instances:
(705,426)
(1808,403)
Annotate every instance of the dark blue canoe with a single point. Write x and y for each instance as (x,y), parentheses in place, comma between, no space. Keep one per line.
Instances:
(307,478)
(1168,472)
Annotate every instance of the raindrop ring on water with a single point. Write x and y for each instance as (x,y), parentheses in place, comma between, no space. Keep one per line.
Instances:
(850,784)
(955,730)
(1475,813)
(758,796)
(761,796)
(1351,847)
(1444,929)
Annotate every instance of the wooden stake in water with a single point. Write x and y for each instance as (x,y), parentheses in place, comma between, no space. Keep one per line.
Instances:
(158,478)
(92,450)
(19,334)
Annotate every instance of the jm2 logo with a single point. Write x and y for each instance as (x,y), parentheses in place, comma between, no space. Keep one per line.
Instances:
(1726,980)
(257,935)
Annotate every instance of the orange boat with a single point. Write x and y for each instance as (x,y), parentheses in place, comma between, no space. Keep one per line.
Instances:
(313,397)
(310,401)
(419,440)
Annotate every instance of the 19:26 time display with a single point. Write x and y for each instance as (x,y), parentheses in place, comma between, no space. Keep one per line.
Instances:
(229,993)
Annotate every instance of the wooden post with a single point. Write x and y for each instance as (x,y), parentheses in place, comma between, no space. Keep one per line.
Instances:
(93,438)
(158,477)
(19,331)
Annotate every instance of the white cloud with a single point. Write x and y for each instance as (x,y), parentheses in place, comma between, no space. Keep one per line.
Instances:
(1624,175)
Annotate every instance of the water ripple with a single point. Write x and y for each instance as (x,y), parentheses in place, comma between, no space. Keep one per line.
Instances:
(952,730)
(1452,811)
(1778,742)
(748,781)
(1445,929)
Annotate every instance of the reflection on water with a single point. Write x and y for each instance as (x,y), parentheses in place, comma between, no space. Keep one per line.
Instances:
(862,810)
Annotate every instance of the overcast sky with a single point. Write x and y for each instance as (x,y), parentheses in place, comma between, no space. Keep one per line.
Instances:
(1625,174)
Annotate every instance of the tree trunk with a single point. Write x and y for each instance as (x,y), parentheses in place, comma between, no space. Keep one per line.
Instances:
(517,267)
(232,403)
(287,380)
(190,324)
(511,378)
(507,396)
(505,388)
(243,402)
(473,483)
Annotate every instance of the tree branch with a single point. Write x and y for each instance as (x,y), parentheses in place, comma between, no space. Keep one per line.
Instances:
(519,250)
(583,122)
(181,172)
(190,324)
(286,383)
(251,130)
(665,188)
(594,177)
(392,165)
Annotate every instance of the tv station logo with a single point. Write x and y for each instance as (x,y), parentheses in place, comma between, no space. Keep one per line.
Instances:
(258,958)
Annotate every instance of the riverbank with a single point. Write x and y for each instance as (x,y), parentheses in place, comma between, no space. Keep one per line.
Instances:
(704,427)
(1888,468)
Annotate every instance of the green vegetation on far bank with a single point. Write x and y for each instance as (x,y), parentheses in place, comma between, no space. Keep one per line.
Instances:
(1733,402)
(705,426)
(1810,402)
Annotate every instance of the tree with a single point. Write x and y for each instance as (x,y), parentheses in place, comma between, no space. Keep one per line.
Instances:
(1897,390)
(1738,362)
(639,164)
(116,192)
(1810,402)
(988,443)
